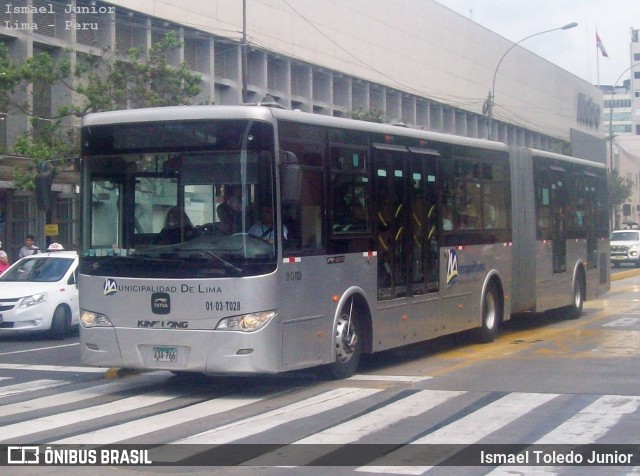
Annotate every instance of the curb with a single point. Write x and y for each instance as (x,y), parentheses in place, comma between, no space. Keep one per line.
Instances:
(114,373)
(625,274)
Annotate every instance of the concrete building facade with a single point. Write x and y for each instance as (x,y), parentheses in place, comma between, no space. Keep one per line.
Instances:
(635,80)
(621,126)
(416,61)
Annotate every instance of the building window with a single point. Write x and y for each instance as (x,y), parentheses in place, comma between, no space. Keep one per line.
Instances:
(44,19)
(64,212)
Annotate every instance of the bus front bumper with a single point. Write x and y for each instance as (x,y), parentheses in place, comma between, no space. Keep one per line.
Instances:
(211,352)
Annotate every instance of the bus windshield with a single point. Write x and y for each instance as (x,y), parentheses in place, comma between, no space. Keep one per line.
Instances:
(179,201)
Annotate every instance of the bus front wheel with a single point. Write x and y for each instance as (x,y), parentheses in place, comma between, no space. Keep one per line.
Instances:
(491,314)
(348,345)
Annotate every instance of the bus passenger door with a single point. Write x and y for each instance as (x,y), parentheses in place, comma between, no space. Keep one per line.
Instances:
(391,223)
(406,224)
(405,233)
(423,224)
(551,262)
(559,221)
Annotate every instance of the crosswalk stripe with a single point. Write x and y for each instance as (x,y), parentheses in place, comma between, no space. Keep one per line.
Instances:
(153,423)
(486,420)
(388,378)
(356,429)
(51,422)
(472,427)
(360,427)
(31,386)
(52,368)
(593,421)
(585,427)
(266,421)
(75,396)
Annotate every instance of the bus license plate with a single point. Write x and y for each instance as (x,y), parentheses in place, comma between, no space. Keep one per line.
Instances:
(165,354)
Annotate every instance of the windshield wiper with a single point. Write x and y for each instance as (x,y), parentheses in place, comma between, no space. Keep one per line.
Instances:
(135,257)
(219,258)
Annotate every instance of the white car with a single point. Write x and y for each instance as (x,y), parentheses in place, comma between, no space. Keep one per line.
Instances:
(625,247)
(40,292)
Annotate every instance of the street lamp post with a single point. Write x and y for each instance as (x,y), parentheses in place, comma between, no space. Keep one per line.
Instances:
(487,108)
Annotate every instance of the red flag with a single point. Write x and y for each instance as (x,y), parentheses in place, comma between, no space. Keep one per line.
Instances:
(601,46)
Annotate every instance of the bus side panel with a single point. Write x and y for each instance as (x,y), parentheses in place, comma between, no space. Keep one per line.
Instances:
(523,295)
(307,305)
(426,317)
(464,272)
(599,279)
(406,320)
(555,290)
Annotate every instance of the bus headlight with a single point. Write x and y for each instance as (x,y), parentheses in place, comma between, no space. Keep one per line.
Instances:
(33,300)
(94,319)
(246,322)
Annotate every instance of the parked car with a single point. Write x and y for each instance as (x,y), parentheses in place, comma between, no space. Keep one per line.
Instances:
(625,247)
(40,292)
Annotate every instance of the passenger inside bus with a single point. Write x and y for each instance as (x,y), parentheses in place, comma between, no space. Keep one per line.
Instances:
(234,200)
(263,228)
(177,227)
(470,216)
(225,226)
(447,218)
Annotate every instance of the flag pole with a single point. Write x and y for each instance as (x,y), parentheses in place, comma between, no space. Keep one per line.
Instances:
(597,60)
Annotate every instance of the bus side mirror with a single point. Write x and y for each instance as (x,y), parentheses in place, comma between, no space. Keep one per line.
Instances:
(290,177)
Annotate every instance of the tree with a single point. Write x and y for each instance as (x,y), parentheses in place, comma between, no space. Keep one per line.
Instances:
(133,82)
(8,78)
(100,83)
(372,115)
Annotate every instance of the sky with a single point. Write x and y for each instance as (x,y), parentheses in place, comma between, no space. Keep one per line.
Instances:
(573,50)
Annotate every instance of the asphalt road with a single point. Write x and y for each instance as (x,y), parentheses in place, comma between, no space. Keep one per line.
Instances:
(544,380)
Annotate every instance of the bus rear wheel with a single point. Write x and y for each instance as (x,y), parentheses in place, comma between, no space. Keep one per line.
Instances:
(348,345)
(491,314)
(579,292)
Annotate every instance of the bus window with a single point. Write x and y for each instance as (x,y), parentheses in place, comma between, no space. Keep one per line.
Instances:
(105,201)
(304,218)
(349,186)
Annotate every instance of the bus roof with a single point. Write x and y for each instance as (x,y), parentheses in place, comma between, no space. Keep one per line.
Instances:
(270,114)
(567,158)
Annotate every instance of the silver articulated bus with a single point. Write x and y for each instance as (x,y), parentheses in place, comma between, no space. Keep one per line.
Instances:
(247,239)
